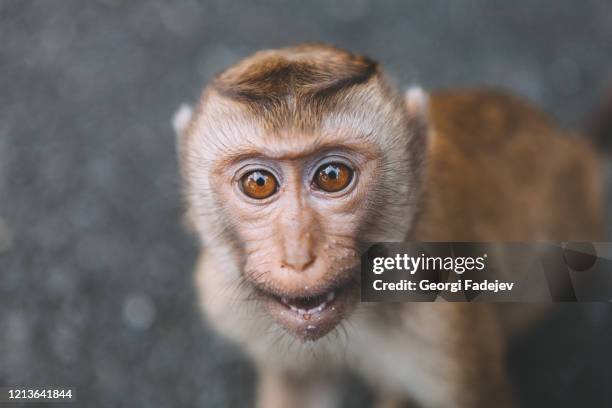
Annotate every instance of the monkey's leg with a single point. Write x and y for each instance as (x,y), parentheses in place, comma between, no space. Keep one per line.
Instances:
(278,389)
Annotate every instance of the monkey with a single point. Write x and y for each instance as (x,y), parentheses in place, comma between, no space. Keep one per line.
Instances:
(295,158)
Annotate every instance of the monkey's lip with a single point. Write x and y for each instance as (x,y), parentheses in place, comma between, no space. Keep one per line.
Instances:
(311,317)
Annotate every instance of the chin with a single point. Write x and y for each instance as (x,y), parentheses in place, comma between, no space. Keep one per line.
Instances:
(313,314)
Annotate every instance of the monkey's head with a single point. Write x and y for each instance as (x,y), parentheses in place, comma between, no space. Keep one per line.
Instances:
(293,161)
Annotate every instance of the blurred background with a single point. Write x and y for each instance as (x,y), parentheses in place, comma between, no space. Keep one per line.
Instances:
(95,267)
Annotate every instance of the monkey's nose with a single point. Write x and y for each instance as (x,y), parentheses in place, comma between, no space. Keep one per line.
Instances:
(299,264)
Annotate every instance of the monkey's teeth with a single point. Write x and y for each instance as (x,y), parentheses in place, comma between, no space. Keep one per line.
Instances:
(296,309)
(317,308)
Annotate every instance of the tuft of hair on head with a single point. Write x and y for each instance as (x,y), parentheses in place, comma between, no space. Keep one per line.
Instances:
(308,71)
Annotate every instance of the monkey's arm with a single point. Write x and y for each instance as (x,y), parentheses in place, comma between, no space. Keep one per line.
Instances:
(457,347)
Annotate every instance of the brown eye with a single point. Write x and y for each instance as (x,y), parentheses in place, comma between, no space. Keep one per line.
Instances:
(333,177)
(259,184)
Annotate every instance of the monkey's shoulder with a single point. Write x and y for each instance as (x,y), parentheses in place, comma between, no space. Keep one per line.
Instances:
(487,118)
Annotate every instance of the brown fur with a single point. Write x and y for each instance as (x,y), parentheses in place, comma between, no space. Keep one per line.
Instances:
(469,166)
(509,172)
(295,87)
(306,73)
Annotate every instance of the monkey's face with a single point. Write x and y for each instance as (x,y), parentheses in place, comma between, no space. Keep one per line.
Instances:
(297,210)
(296,194)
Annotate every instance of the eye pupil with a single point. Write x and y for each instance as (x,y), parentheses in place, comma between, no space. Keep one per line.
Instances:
(260,181)
(332,172)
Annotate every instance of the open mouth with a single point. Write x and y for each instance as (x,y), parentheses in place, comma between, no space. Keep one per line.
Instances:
(308,306)
(310,317)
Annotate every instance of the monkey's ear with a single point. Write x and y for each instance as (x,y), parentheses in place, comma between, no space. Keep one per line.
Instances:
(180,121)
(416,100)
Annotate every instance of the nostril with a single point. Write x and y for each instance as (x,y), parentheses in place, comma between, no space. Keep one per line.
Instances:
(308,263)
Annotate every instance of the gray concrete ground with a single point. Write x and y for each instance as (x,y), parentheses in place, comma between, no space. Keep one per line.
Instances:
(95,269)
